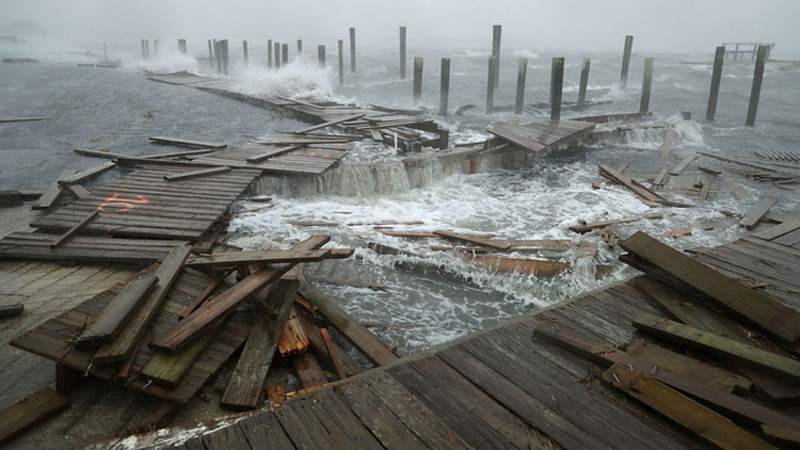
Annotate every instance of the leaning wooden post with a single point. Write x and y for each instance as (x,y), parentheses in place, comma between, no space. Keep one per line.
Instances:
(244,52)
(755,92)
(556,87)
(585,66)
(522,74)
(210,54)
(182,46)
(269,53)
(716,79)
(299,48)
(417,79)
(647,85)
(340,44)
(497,30)
(444,87)
(352,50)
(490,85)
(284,54)
(626,62)
(321,56)
(277,51)
(402,53)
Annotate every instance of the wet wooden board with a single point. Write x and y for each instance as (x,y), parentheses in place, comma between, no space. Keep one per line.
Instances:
(541,135)
(27,413)
(186,142)
(754,215)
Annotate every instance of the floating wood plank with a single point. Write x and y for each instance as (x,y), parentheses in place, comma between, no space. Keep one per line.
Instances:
(777,365)
(772,317)
(86,174)
(358,335)
(74,230)
(687,231)
(666,147)
(500,245)
(683,165)
(695,417)
(196,173)
(736,161)
(754,215)
(300,102)
(272,153)
(330,123)
(11,310)
(778,230)
(121,347)
(538,267)
(25,119)
(233,259)
(606,223)
(53,192)
(631,184)
(116,315)
(661,178)
(186,142)
(27,413)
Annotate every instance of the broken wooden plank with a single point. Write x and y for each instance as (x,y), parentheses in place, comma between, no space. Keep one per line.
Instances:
(53,192)
(86,174)
(98,153)
(333,353)
(687,231)
(11,310)
(736,161)
(538,267)
(179,176)
(183,153)
(233,259)
(683,165)
(203,296)
(705,188)
(631,184)
(523,141)
(772,317)
(74,230)
(29,412)
(300,102)
(500,245)
(331,123)
(272,153)
(357,334)
(186,142)
(120,348)
(308,370)
(293,341)
(78,190)
(677,407)
(593,226)
(337,365)
(167,370)
(754,215)
(116,315)
(666,147)
(777,365)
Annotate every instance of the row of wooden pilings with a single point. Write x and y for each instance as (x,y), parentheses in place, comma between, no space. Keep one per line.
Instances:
(278,55)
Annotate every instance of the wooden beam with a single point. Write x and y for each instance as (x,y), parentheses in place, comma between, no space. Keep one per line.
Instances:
(117,314)
(772,317)
(183,153)
(121,347)
(695,417)
(167,370)
(329,346)
(86,174)
(273,153)
(196,173)
(308,370)
(631,184)
(233,259)
(203,296)
(334,354)
(777,365)
(331,123)
(754,215)
(788,436)
(500,245)
(29,412)
(300,102)
(53,192)
(357,334)
(74,230)
(186,142)
(78,190)
(683,164)
(25,119)
(246,385)
(161,418)
(593,226)
(666,147)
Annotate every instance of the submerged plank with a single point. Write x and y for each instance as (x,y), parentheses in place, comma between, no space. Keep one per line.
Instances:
(754,215)
(186,142)
(500,245)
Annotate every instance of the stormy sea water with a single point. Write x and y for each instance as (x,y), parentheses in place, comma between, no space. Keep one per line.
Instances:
(422,297)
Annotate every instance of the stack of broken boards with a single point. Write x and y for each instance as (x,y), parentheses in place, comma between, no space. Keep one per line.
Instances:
(738,377)
(170,328)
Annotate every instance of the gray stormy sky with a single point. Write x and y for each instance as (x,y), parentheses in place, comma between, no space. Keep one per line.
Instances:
(659,25)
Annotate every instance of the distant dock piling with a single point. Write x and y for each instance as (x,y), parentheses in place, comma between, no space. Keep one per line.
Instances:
(225,56)
(556,88)
(716,80)
(284,54)
(585,66)
(417,79)
(299,48)
(155,48)
(403,53)
(269,53)
(444,87)
(244,53)
(490,84)
(758,77)
(340,45)
(522,75)
(626,62)
(321,55)
(647,85)
(218,55)
(277,52)
(182,46)
(211,54)
(497,31)
(352,49)
(105,52)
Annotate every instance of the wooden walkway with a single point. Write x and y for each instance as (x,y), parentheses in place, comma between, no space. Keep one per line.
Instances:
(505,388)
(543,136)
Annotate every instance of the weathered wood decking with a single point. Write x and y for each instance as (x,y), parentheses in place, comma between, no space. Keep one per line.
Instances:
(501,388)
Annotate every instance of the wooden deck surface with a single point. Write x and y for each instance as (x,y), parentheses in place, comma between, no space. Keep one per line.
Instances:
(543,136)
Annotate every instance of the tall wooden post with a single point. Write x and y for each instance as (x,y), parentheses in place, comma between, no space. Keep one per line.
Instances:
(105,52)
(497,30)
(417,79)
(755,92)
(225,58)
(147,49)
(218,55)
(626,62)
(277,51)
(284,54)
(585,66)
(182,46)
(244,53)
(490,85)
(647,85)
(141,41)
(321,55)
(155,48)
(444,87)
(340,44)
(352,49)
(299,48)
(556,88)
(211,54)
(522,74)
(402,53)
(716,80)
(269,53)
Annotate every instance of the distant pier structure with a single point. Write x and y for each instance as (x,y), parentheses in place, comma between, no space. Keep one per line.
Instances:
(745,50)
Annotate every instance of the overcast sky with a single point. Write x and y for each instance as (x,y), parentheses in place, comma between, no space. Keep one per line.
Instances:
(658,25)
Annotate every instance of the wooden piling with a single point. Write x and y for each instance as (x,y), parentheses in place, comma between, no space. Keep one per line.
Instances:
(105,52)
(497,30)
(277,52)
(402,53)
(141,41)
(556,87)
(626,62)
(269,53)
(182,46)
(340,44)
(299,48)
(352,50)
(155,48)
(284,54)
(244,52)
(321,55)
(585,66)
(755,92)
(147,49)
(210,54)
(522,75)
(444,87)
(218,55)
(716,79)
(417,79)
(225,59)
(647,84)
(490,82)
